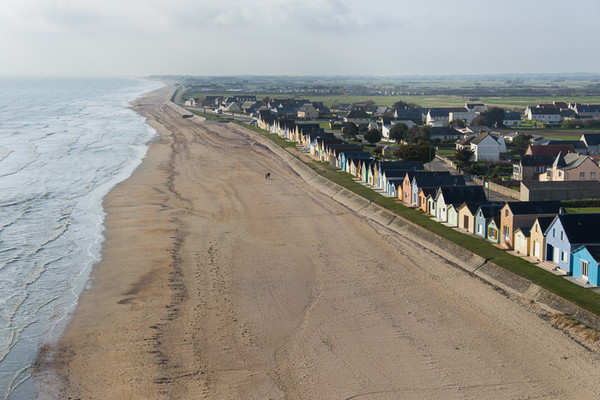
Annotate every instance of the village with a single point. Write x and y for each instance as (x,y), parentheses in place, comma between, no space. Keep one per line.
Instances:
(530,221)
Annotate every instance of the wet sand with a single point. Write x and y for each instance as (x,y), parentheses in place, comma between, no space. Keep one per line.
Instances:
(218,283)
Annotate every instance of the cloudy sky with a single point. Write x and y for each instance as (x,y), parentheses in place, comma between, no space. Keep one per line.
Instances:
(297,37)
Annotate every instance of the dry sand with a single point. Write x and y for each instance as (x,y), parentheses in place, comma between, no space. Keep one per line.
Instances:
(218,283)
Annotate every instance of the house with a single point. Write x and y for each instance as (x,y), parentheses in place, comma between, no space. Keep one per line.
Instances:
(231,107)
(531,167)
(476,107)
(416,114)
(392,185)
(349,158)
(586,264)
(537,240)
(431,204)
(486,148)
(566,233)
(392,174)
(394,165)
(353,162)
(466,214)
(578,146)
(334,151)
(560,190)
(424,194)
(432,180)
(307,111)
(484,215)
(548,115)
(549,149)
(572,167)
(592,142)
(515,214)
(357,116)
(493,232)
(512,119)
(522,235)
(441,116)
(457,195)
(464,115)
(452,215)
(191,102)
(444,133)
(587,110)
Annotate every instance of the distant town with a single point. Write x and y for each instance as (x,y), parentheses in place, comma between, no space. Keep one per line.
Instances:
(526,180)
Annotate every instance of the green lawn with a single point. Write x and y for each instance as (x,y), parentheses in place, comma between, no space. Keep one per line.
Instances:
(582,210)
(584,298)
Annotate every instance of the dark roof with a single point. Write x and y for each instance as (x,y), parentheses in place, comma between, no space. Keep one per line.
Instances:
(594,251)
(581,228)
(464,194)
(396,173)
(577,144)
(428,191)
(544,222)
(490,210)
(534,207)
(512,115)
(545,111)
(593,108)
(559,161)
(473,206)
(358,113)
(526,230)
(406,165)
(444,112)
(356,155)
(443,131)
(536,161)
(437,179)
(410,113)
(592,139)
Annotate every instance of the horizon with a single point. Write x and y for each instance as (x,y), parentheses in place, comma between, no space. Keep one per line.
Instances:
(65,38)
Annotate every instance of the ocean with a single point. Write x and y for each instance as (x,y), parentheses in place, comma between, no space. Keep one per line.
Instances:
(64,143)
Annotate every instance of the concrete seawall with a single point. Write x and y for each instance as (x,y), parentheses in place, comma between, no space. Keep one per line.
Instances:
(510,283)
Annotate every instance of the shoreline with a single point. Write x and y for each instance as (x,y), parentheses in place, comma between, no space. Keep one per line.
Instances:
(216,284)
(48,374)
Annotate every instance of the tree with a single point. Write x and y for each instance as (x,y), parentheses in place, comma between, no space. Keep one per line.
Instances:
(458,123)
(494,117)
(521,143)
(349,130)
(373,136)
(399,105)
(463,157)
(418,133)
(421,151)
(399,132)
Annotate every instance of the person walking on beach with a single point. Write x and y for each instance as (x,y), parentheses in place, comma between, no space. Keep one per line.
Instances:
(267,175)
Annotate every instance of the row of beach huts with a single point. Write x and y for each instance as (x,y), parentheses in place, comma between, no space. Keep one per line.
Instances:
(567,244)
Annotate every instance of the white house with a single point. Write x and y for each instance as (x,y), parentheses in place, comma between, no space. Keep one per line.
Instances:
(467,116)
(548,115)
(486,148)
(512,119)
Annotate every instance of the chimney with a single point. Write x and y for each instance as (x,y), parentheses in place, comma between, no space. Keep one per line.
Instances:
(561,211)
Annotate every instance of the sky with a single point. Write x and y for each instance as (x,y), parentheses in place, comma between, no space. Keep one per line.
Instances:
(297,37)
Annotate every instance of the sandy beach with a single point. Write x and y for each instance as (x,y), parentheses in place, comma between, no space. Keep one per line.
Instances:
(218,283)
